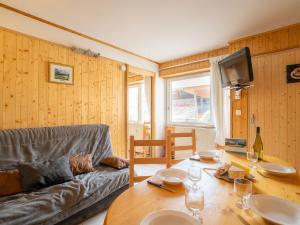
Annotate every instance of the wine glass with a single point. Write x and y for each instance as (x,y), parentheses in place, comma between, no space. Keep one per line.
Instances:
(252,157)
(219,156)
(194,201)
(243,189)
(194,174)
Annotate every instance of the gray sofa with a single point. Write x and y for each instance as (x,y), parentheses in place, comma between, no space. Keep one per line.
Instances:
(70,202)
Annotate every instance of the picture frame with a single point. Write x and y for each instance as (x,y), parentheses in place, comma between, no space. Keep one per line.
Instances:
(61,73)
(293,73)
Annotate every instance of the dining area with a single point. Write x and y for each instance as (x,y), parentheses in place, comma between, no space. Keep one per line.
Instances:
(211,187)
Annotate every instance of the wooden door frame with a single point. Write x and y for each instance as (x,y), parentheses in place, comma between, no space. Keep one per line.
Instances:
(138,71)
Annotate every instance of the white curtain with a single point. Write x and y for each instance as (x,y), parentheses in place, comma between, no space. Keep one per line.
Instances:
(220,99)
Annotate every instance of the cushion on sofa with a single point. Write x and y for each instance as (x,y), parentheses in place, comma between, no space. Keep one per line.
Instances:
(115,162)
(10,182)
(38,175)
(81,164)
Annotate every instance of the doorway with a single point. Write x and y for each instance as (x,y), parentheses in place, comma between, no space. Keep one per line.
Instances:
(140,111)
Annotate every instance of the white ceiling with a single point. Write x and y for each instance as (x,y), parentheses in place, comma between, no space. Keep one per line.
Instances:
(165,29)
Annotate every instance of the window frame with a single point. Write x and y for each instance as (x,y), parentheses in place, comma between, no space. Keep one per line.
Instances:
(169,96)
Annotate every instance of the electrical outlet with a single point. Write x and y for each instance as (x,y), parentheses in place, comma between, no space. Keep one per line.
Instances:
(238,112)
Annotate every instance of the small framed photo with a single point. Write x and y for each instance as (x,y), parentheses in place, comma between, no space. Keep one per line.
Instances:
(59,73)
(293,73)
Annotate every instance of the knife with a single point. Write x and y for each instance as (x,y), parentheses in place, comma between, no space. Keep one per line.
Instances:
(160,186)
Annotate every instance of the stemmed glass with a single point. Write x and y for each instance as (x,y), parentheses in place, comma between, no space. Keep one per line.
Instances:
(243,189)
(194,201)
(252,157)
(194,174)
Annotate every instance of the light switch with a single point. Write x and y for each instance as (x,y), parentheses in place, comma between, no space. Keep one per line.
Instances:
(238,112)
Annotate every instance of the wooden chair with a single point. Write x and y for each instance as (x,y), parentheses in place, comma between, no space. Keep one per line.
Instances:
(171,146)
(134,143)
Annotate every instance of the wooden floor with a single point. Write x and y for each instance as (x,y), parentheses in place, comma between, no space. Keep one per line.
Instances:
(141,170)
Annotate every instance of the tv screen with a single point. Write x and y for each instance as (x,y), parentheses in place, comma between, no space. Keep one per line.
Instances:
(236,69)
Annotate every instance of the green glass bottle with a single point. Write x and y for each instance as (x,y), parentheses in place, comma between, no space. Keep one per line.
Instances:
(258,145)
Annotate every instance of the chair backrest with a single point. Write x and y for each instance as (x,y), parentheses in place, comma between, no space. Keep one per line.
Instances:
(171,146)
(134,143)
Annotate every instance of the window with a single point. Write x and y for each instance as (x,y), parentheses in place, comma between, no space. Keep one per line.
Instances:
(189,100)
(133,103)
(137,104)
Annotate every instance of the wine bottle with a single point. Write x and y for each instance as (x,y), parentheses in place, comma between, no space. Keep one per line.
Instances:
(258,145)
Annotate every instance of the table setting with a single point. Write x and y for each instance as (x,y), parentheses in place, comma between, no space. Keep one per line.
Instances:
(191,193)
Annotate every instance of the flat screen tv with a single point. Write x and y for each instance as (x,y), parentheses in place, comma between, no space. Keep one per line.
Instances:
(236,69)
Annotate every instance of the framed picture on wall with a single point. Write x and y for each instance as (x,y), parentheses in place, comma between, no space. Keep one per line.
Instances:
(293,73)
(59,73)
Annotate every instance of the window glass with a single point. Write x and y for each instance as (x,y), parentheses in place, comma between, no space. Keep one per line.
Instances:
(133,103)
(189,100)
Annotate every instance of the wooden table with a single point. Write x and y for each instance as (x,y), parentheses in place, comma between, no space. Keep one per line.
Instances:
(138,201)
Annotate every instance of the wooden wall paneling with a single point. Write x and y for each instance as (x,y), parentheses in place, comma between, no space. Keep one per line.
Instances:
(85,91)
(43,86)
(33,86)
(91,90)
(26,82)
(1,78)
(123,118)
(19,91)
(77,89)
(109,90)
(283,100)
(69,92)
(103,91)
(291,116)
(275,105)
(116,99)
(114,105)
(297,118)
(267,95)
(53,89)
(126,83)
(260,100)
(97,89)
(10,56)
(61,90)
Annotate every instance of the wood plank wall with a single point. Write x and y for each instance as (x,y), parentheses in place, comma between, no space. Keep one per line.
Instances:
(274,103)
(27,99)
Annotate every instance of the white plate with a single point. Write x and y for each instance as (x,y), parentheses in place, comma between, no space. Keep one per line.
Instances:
(275,209)
(169,217)
(277,169)
(172,176)
(208,155)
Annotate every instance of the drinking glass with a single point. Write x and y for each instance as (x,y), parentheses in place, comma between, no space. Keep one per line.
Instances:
(243,189)
(194,201)
(194,173)
(252,157)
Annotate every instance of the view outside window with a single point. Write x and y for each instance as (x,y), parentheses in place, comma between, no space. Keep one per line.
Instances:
(133,103)
(190,100)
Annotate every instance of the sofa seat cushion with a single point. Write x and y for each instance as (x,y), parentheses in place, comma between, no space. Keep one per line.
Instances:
(52,204)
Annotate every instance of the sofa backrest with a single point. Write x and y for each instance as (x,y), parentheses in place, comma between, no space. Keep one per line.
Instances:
(49,143)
